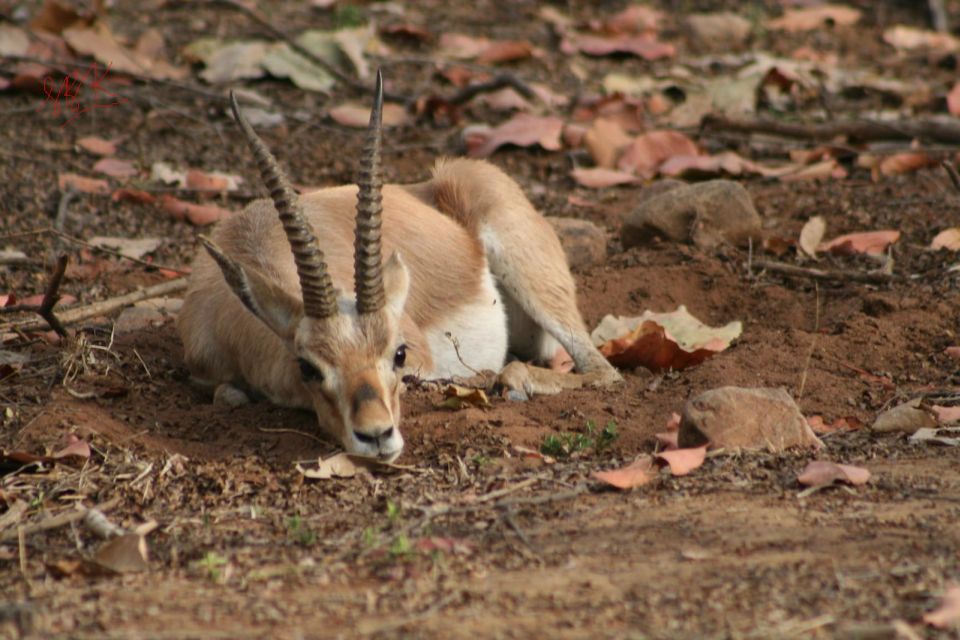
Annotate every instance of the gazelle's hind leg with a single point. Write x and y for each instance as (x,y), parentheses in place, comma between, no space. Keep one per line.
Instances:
(526,258)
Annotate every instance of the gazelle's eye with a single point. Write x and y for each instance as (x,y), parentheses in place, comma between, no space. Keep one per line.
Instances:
(400,357)
(308,372)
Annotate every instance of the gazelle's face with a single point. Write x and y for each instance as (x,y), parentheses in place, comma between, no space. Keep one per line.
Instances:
(351,365)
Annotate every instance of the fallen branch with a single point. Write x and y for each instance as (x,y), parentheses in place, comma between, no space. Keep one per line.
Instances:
(853,130)
(57,521)
(953,174)
(503,80)
(103,307)
(50,299)
(821,274)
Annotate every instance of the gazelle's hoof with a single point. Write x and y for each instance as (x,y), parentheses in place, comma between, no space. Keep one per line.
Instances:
(230,396)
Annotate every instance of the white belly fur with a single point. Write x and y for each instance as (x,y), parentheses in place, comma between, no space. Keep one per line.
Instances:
(480,331)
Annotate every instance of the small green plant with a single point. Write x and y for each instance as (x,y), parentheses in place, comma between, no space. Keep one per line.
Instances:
(393,512)
(299,532)
(401,548)
(371,536)
(347,15)
(563,445)
(211,563)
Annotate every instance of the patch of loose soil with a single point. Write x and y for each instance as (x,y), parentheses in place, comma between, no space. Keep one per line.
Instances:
(479,540)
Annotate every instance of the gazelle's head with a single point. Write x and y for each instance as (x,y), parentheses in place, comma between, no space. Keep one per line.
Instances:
(348,353)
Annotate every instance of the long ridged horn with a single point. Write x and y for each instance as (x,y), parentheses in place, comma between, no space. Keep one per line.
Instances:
(319,298)
(368,268)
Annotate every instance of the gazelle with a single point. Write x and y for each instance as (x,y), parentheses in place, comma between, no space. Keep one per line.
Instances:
(474,272)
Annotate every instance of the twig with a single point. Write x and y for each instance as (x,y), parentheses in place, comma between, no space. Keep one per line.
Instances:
(298,48)
(859,130)
(76,314)
(820,274)
(50,299)
(499,493)
(57,521)
(508,518)
(813,342)
(952,172)
(295,432)
(503,80)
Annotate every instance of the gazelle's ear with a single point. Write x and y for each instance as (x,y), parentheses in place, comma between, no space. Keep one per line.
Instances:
(275,307)
(396,283)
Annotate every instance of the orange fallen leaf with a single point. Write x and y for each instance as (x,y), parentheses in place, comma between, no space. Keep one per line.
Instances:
(821,472)
(522,130)
(605,139)
(133,195)
(727,162)
(900,163)
(642,45)
(196,214)
(201,181)
(649,150)
(358,116)
(462,46)
(848,423)
(636,18)
(952,352)
(76,448)
(668,440)
(659,341)
(683,461)
(828,168)
(810,18)
(505,51)
(638,473)
(37,299)
(97,146)
(948,613)
(909,38)
(953,100)
(946,414)
(598,178)
(947,239)
(115,167)
(82,184)
(868,242)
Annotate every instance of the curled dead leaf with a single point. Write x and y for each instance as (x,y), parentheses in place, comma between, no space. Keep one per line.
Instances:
(636,474)
(820,473)
(457,397)
(809,18)
(683,461)
(812,235)
(115,167)
(868,242)
(196,214)
(947,239)
(522,130)
(598,178)
(84,185)
(97,146)
(649,150)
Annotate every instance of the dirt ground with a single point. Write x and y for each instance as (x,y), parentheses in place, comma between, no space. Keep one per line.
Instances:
(478,539)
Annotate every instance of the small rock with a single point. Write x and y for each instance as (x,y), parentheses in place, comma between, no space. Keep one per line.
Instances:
(716,31)
(744,418)
(658,188)
(147,314)
(584,242)
(908,417)
(707,214)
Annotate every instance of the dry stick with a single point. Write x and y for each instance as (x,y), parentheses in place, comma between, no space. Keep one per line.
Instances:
(57,521)
(298,48)
(50,299)
(938,16)
(76,314)
(952,172)
(861,130)
(813,342)
(820,274)
(503,80)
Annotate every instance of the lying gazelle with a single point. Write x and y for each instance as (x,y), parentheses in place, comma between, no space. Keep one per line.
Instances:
(474,272)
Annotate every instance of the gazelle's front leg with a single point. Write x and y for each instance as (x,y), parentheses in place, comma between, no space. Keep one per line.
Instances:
(533,380)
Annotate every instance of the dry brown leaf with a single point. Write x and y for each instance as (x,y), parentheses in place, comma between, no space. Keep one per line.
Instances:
(649,150)
(460,46)
(640,472)
(55,16)
(810,18)
(358,116)
(909,38)
(76,448)
(953,100)
(196,214)
(82,184)
(340,465)
(812,235)
(821,472)
(407,30)
(683,461)
(605,139)
(900,163)
(98,41)
(947,239)
(868,242)
(115,167)
(829,168)
(457,397)
(133,195)
(636,18)
(505,51)
(522,130)
(124,554)
(602,178)
(946,415)
(848,423)
(946,615)
(659,341)
(952,352)
(133,247)
(642,46)
(97,146)
(724,163)
(506,99)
